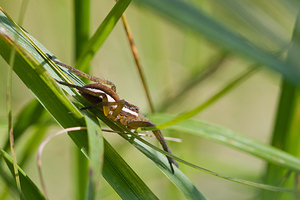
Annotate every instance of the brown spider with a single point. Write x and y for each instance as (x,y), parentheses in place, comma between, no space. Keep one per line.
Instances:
(114,108)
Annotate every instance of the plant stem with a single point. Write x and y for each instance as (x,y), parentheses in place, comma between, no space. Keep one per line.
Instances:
(286,131)
(137,62)
(82,28)
(82,33)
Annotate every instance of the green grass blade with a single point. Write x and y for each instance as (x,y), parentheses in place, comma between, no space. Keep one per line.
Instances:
(163,165)
(102,33)
(286,133)
(235,140)
(29,190)
(124,181)
(10,185)
(186,15)
(96,151)
(82,12)
(82,33)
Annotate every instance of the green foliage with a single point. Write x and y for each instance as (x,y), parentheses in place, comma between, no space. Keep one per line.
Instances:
(233,28)
(115,171)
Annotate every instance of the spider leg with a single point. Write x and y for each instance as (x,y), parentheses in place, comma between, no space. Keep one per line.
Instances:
(105,104)
(120,105)
(84,75)
(159,137)
(89,92)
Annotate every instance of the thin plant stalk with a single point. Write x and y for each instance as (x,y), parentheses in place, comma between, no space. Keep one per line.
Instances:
(137,60)
(82,28)
(9,100)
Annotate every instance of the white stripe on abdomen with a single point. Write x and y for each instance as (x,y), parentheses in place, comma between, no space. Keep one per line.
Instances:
(110,99)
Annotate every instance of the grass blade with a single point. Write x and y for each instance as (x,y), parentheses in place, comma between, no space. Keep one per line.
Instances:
(124,181)
(82,28)
(235,140)
(286,133)
(96,151)
(163,166)
(82,33)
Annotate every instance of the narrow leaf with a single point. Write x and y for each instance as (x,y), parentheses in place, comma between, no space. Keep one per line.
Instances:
(235,140)
(96,151)
(286,132)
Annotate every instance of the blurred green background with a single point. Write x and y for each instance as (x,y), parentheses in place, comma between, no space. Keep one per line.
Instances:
(170,56)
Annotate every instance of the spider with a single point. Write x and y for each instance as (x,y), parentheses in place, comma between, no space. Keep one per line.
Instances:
(102,94)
